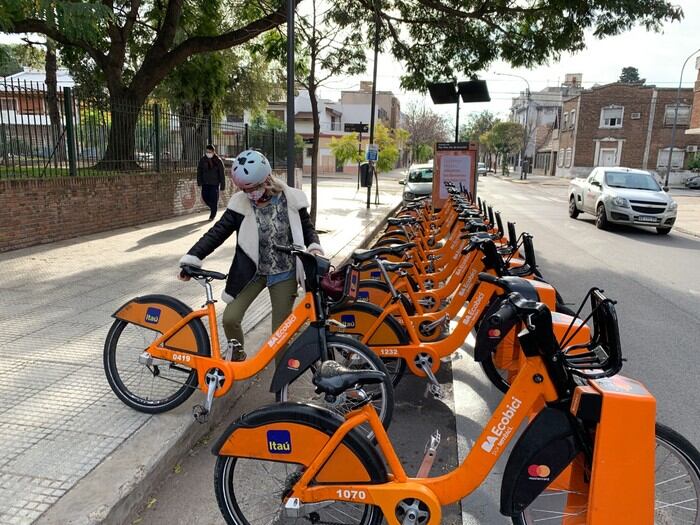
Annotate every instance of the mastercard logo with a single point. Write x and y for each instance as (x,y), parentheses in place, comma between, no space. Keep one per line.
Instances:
(539,471)
(294,364)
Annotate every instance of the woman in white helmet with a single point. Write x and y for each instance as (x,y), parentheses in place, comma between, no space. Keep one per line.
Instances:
(266,212)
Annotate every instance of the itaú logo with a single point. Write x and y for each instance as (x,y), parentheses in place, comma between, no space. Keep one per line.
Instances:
(502,429)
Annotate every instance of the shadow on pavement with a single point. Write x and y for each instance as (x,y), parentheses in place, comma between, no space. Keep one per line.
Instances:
(164,236)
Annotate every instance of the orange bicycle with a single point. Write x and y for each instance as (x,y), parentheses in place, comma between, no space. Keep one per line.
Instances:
(158,352)
(576,462)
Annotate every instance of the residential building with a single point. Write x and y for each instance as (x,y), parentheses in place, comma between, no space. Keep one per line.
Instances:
(357,106)
(354,107)
(624,125)
(694,128)
(22,96)
(539,113)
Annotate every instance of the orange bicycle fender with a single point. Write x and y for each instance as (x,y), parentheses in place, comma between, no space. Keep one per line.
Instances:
(160,313)
(296,433)
(359,317)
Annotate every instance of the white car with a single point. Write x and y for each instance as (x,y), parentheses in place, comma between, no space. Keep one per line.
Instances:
(481,169)
(623,196)
(418,182)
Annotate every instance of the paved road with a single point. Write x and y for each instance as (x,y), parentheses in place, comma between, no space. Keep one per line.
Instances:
(656,280)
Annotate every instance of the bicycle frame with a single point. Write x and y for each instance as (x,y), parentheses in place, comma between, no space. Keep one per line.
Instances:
(171,328)
(618,461)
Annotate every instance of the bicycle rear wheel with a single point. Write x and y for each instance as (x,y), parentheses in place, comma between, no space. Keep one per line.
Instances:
(153,387)
(252,491)
(677,488)
(352,354)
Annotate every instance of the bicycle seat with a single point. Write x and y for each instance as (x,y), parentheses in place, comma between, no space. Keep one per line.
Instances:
(393,267)
(198,273)
(361,255)
(395,221)
(334,379)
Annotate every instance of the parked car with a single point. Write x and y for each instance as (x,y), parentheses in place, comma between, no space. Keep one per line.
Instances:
(481,169)
(693,182)
(418,182)
(622,196)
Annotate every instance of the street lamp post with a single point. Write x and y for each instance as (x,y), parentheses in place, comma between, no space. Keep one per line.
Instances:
(527,112)
(675,120)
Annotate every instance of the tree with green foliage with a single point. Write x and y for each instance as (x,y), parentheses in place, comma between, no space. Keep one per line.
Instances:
(9,65)
(345,149)
(630,75)
(130,46)
(504,138)
(444,39)
(388,143)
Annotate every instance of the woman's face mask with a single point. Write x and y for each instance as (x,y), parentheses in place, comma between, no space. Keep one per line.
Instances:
(256,195)
(209,154)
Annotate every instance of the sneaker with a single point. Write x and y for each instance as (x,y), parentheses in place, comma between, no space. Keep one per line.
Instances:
(238,355)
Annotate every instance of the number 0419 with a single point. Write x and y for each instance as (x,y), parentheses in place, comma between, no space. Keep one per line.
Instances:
(351,494)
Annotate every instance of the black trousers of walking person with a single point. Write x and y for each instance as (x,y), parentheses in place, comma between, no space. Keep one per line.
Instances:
(210,196)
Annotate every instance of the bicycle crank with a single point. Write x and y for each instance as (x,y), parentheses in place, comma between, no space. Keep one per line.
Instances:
(434,388)
(215,380)
(412,512)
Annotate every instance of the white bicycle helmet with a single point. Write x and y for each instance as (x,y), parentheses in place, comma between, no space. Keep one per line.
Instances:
(250,168)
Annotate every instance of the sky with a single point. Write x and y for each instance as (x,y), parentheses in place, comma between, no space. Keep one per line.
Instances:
(658,56)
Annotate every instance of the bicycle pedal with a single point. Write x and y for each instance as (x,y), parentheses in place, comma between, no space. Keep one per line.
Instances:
(436,391)
(454,356)
(201,414)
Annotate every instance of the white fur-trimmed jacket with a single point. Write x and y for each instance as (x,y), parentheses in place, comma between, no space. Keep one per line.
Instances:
(239,217)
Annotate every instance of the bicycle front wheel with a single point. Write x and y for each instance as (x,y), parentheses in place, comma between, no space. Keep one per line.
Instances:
(677,489)
(252,492)
(352,354)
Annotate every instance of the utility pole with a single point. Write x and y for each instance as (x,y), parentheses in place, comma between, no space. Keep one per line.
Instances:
(675,121)
(527,111)
(290,93)
(374,98)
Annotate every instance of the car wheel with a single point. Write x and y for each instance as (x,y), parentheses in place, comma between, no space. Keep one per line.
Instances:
(573,210)
(663,231)
(601,220)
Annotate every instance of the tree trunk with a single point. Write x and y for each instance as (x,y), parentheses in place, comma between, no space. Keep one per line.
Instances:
(314,150)
(193,132)
(120,155)
(51,65)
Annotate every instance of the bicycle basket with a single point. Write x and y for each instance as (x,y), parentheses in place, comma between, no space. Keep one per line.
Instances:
(602,357)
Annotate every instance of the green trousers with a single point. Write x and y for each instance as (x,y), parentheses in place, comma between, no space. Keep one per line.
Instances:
(282,297)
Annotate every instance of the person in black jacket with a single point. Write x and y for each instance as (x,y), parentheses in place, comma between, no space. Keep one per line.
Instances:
(211,178)
(265,213)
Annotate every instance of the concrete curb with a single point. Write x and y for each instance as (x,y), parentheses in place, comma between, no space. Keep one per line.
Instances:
(120,486)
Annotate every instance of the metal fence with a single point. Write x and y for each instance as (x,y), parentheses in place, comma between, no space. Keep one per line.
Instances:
(73,137)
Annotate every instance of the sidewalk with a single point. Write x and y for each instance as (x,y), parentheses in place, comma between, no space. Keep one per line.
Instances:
(688,220)
(71,451)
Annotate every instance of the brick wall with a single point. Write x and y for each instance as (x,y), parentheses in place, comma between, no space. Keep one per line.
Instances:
(629,141)
(40,211)
(695,115)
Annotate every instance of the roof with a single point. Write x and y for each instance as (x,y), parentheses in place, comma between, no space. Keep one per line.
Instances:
(35,79)
(421,166)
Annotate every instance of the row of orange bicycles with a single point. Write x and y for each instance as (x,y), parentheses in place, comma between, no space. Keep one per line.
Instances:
(580,441)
